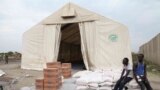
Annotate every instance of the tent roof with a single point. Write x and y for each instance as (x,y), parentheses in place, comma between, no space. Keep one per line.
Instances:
(71,13)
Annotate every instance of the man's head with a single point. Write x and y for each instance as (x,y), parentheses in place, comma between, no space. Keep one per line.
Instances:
(140,58)
(125,61)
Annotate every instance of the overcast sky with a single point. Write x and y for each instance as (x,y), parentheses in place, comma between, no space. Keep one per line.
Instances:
(142,17)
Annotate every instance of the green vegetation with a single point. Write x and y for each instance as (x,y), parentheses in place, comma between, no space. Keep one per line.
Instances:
(153,68)
(11,55)
(134,57)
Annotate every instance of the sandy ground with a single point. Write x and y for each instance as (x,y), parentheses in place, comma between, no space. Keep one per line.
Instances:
(27,77)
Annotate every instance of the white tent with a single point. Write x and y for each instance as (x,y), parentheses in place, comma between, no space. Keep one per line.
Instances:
(104,42)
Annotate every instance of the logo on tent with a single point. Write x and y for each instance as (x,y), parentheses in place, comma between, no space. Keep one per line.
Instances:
(113,37)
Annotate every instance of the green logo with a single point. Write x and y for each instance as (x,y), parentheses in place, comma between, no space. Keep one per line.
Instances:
(113,37)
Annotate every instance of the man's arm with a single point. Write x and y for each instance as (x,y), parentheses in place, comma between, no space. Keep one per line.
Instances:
(134,72)
(145,71)
(127,73)
(122,73)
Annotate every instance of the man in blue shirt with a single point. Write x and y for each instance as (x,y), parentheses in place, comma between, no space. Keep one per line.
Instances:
(140,74)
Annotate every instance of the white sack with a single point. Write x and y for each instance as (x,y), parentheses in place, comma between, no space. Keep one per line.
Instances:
(91,78)
(105,72)
(93,85)
(116,77)
(82,87)
(106,84)
(2,73)
(107,78)
(81,73)
(25,88)
(105,88)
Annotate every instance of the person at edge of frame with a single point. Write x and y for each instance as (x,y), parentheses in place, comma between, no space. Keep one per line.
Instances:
(140,73)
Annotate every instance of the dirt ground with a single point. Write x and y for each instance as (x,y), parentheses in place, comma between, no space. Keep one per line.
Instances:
(27,77)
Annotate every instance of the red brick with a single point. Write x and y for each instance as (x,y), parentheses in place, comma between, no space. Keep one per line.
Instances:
(68,65)
(39,84)
(53,65)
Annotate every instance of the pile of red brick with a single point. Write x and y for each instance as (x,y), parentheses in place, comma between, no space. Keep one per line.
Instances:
(53,76)
(66,70)
(39,84)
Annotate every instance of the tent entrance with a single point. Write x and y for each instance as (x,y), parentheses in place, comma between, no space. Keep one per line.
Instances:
(70,46)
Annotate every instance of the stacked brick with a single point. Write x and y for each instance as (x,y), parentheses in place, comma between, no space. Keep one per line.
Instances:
(66,70)
(39,84)
(53,76)
(56,65)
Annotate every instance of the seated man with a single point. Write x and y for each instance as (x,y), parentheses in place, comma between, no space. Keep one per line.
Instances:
(126,75)
(140,74)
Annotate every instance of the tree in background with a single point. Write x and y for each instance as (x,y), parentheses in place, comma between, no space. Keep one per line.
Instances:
(17,55)
(11,55)
(2,56)
(134,56)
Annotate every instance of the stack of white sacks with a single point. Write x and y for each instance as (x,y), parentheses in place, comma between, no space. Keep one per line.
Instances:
(100,80)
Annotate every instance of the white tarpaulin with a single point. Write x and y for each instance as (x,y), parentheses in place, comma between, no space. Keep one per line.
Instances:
(104,42)
(87,32)
(52,37)
(112,44)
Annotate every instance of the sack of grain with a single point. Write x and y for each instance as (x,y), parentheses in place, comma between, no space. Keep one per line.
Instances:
(93,85)
(82,88)
(105,88)
(81,73)
(106,84)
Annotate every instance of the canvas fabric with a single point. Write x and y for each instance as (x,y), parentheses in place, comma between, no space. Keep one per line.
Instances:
(104,42)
